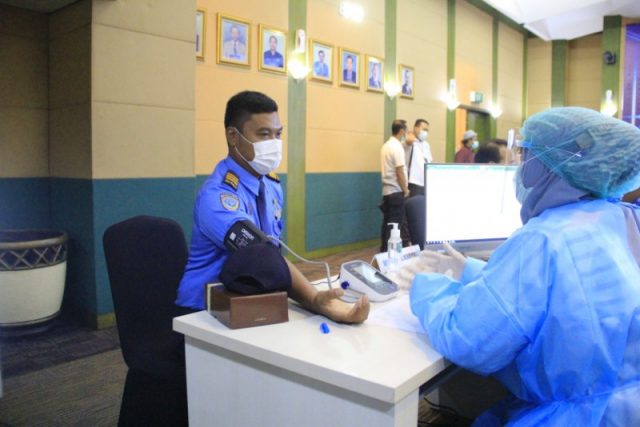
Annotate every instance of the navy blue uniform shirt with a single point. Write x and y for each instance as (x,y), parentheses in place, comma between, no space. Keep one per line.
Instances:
(227,196)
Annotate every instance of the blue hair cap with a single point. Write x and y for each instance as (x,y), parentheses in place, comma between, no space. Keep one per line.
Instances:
(589,150)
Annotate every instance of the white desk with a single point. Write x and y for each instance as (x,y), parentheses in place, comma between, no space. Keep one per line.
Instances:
(290,374)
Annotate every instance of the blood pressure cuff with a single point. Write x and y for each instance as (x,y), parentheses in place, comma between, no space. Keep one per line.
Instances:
(256,269)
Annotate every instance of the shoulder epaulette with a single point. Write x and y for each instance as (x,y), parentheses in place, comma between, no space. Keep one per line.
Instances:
(273,176)
(231,179)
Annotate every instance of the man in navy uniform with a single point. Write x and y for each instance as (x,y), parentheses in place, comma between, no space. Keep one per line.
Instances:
(243,187)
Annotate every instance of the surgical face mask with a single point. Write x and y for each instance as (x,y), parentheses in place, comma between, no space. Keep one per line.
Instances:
(422,135)
(475,144)
(268,155)
(403,138)
(521,191)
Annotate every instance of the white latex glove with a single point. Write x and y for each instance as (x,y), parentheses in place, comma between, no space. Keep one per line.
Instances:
(408,269)
(450,264)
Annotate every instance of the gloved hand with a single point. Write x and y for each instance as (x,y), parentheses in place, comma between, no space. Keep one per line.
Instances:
(408,270)
(450,264)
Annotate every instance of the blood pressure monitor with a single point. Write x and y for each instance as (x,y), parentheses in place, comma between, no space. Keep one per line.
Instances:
(362,278)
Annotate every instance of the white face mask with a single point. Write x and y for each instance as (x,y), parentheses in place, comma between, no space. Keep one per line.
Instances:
(268,155)
(475,144)
(422,135)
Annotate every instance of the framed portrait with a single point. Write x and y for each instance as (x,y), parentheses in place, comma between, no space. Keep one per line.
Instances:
(321,60)
(407,82)
(374,74)
(234,38)
(349,68)
(201,32)
(273,49)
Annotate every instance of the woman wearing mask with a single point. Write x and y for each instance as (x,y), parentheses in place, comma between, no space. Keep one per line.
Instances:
(469,143)
(555,313)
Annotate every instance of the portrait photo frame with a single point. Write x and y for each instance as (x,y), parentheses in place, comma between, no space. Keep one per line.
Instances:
(321,61)
(406,75)
(201,32)
(274,61)
(234,41)
(375,82)
(349,69)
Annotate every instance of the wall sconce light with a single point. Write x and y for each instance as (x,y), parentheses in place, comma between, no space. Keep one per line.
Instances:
(451,97)
(495,111)
(351,11)
(392,89)
(297,70)
(609,108)
(301,42)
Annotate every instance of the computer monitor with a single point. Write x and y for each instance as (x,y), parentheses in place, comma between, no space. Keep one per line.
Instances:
(472,206)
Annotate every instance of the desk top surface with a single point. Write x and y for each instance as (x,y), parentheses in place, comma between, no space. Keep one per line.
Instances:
(380,362)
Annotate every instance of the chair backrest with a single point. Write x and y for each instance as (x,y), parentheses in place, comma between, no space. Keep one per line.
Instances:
(415,211)
(146,257)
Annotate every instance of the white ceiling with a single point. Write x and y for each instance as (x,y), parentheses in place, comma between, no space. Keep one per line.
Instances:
(44,6)
(564,19)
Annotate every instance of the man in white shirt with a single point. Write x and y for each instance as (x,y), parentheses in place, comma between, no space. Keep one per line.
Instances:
(418,152)
(394,183)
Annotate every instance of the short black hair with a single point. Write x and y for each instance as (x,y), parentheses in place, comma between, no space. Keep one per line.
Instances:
(274,38)
(488,153)
(242,105)
(397,126)
(419,122)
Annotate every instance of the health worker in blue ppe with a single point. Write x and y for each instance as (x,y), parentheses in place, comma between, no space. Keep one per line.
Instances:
(555,313)
(243,187)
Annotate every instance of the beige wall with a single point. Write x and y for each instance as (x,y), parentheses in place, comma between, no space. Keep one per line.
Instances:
(474,61)
(142,96)
(344,124)
(23,93)
(422,44)
(538,75)
(510,68)
(70,91)
(216,83)
(584,77)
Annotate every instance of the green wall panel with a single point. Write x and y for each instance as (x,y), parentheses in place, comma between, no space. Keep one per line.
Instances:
(342,208)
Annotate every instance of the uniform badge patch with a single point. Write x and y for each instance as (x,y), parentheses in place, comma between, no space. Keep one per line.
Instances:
(231,179)
(273,176)
(230,202)
(277,210)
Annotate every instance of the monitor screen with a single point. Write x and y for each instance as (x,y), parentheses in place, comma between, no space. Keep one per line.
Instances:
(470,202)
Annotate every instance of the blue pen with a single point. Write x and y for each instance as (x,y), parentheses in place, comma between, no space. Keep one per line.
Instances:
(324,328)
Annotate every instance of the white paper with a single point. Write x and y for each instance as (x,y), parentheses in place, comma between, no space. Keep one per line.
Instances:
(395,314)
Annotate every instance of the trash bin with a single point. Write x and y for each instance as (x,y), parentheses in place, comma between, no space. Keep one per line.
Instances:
(33,266)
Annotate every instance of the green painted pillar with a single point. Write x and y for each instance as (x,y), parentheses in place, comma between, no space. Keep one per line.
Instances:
(559,58)
(390,67)
(611,42)
(297,122)
(493,123)
(451,74)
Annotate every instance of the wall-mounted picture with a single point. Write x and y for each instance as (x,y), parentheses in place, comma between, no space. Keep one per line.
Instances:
(273,49)
(322,60)
(406,80)
(234,36)
(349,67)
(374,73)
(201,32)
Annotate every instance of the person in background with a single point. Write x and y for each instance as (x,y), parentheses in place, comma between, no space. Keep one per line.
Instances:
(555,313)
(243,187)
(469,143)
(418,152)
(394,183)
(488,153)
(320,68)
(374,79)
(348,74)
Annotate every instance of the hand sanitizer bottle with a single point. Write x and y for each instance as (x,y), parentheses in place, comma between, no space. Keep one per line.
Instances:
(394,248)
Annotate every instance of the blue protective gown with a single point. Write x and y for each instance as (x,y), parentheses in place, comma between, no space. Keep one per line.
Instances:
(554,315)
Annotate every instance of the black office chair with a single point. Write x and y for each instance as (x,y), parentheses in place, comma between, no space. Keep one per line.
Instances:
(415,211)
(146,257)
